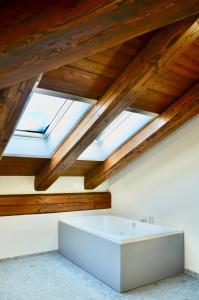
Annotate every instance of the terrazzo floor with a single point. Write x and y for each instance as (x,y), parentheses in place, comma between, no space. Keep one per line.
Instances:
(52,277)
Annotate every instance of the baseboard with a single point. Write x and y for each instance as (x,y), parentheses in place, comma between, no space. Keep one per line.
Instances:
(28,255)
(186,271)
(191,273)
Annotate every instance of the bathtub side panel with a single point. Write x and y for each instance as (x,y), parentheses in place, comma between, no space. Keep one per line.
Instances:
(98,256)
(151,260)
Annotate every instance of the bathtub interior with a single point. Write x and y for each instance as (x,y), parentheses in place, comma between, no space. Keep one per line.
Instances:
(119,229)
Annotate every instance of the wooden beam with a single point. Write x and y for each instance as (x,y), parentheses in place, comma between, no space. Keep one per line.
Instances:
(161,50)
(30,166)
(176,115)
(38,36)
(52,203)
(12,102)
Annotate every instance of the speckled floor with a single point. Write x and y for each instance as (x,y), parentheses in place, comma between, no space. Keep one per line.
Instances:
(52,277)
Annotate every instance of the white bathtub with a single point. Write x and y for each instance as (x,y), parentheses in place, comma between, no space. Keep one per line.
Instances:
(123,253)
(120,230)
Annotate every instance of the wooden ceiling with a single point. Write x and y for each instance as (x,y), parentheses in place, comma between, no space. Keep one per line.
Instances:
(93,75)
(124,55)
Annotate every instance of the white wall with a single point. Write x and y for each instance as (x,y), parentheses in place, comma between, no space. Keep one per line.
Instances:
(25,185)
(22,235)
(164,183)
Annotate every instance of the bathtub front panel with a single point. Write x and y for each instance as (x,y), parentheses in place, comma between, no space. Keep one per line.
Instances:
(151,260)
(123,266)
(98,256)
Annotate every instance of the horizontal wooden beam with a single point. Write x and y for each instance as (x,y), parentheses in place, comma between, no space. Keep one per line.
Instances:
(161,50)
(30,166)
(52,203)
(177,114)
(12,102)
(38,36)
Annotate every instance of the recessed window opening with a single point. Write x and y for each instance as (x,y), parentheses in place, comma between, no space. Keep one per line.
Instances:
(113,126)
(117,133)
(47,120)
(41,112)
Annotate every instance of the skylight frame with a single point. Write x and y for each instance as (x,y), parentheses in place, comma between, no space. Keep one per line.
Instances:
(105,145)
(58,116)
(113,126)
(31,144)
(39,113)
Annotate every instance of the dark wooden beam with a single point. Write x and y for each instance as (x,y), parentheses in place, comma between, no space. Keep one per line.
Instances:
(52,203)
(12,102)
(161,50)
(38,36)
(177,114)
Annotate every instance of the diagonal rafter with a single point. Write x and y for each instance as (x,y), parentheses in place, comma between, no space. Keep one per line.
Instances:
(38,36)
(177,114)
(161,50)
(12,102)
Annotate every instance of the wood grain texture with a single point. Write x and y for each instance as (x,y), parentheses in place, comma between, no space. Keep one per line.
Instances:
(29,166)
(160,51)
(39,36)
(163,91)
(176,115)
(173,81)
(92,76)
(12,102)
(52,203)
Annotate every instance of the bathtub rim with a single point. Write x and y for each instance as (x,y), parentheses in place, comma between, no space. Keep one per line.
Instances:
(113,238)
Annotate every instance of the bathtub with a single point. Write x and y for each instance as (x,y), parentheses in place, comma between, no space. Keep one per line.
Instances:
(123,253)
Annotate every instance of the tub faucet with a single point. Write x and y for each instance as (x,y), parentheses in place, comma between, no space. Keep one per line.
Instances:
(151,220)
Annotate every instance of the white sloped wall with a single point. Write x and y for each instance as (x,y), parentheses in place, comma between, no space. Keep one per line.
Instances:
(164,183)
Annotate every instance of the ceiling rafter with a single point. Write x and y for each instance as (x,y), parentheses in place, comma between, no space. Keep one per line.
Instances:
(38,36)
(12,102)
(177,114)
(161,50)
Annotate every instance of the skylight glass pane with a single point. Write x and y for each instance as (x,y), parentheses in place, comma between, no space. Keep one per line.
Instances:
(120,130)
(119,123)
(40,112)
(45,123)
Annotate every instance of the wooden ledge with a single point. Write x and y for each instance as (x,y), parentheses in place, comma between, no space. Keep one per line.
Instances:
(52,203)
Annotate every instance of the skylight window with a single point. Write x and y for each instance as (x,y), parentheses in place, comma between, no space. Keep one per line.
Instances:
(120,130)
(50,117)
(40,112)
(46,121)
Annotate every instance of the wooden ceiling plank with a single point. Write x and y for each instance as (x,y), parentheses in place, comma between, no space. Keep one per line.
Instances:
(147,106)
(39,36)
(30,166)
(184,71)
(13,100)
(92,82)
(95,67)
(177,114)
(189,62)
(68,87)
(147,65)
(76,76)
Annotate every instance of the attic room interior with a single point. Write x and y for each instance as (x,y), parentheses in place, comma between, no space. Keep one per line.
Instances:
(99,143)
